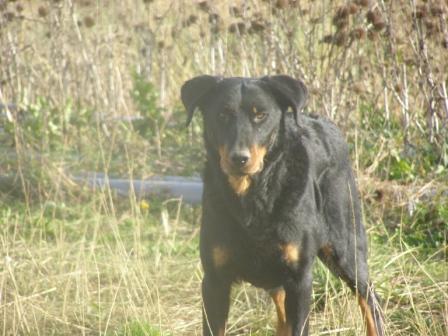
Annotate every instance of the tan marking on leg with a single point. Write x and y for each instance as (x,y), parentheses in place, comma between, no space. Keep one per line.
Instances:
(279,299)
(220,256)
(327,250)
(368,318)
(221,331)
(283,327)
(290,253)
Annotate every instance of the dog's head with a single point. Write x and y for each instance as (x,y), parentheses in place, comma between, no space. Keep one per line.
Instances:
(241,116)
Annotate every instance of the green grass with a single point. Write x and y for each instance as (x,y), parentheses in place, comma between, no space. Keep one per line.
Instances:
(139,329)
(107,267)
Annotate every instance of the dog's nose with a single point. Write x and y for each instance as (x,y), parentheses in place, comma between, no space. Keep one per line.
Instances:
(239,159)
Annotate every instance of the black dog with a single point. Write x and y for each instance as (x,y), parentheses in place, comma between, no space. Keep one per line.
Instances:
(278,191)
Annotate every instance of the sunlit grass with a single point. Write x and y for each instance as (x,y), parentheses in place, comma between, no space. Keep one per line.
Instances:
(121,274)
(96,85)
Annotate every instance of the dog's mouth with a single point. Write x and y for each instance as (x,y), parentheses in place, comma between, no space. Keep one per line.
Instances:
(253,165)
(239,175)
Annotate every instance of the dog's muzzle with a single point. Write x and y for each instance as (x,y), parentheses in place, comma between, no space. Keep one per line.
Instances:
(242,162)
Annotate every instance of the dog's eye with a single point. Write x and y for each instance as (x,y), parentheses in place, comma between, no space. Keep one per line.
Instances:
(259,116)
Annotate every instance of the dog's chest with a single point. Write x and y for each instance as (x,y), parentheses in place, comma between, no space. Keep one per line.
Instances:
(266,255)
(259,230)
(259,262)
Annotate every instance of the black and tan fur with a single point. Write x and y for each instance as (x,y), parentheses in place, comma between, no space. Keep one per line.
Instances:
(278,191)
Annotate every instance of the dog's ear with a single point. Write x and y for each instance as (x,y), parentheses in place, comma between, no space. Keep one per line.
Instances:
(289,92)
(194,90)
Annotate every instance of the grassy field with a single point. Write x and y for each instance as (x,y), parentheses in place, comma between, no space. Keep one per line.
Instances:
(96,88)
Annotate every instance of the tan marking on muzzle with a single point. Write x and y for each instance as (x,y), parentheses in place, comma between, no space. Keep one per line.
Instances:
(241,183)
(224,160)
(256,162)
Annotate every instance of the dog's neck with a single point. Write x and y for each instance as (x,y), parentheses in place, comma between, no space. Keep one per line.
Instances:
(259,203)
(241,185)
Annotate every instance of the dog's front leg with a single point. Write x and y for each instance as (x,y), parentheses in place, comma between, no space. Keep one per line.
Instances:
(216,297)
(297,303)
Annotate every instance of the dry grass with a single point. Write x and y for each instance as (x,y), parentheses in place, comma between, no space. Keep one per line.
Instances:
(85,270)
(82,262)
(85,51)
